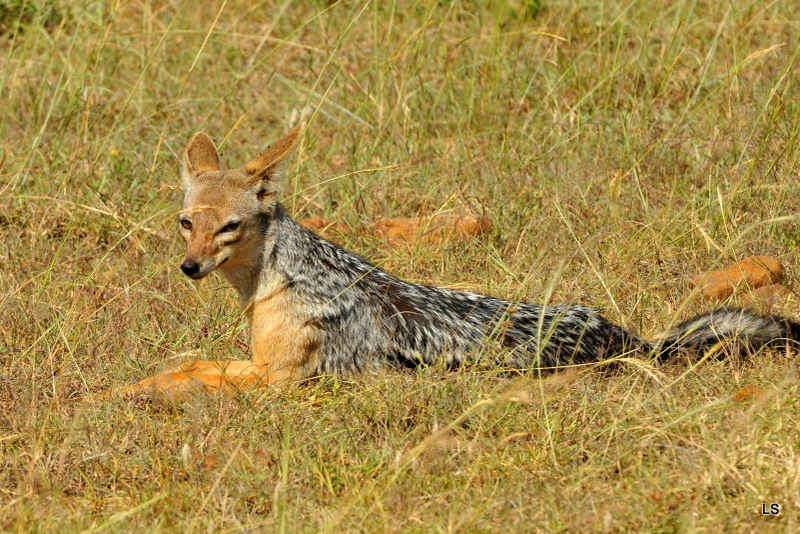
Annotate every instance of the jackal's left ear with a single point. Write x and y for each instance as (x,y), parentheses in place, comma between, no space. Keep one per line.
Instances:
(200,157)
(269,167)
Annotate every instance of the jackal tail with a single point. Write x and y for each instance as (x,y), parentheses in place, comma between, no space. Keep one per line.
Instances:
(737,330)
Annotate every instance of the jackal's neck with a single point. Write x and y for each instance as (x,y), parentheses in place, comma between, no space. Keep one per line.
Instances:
(287,256)
(254,274)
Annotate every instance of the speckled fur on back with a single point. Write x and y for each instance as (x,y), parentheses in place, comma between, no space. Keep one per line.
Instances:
(368,318)
(316,308)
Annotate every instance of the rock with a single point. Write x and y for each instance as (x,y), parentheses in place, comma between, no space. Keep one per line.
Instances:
(765,297)
(399,230)
(314,223)
(749,393)
(432,230)
(210,461)
(327,229)
(752,273)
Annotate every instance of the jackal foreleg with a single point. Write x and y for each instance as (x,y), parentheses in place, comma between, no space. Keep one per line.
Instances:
(228,377)
(284,345)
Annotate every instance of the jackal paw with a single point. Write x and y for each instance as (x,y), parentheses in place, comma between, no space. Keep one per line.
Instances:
(175,384)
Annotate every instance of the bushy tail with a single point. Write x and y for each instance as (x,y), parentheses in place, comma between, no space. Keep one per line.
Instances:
(739,330)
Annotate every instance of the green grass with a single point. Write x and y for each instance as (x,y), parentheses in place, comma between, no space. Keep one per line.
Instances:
(618,147)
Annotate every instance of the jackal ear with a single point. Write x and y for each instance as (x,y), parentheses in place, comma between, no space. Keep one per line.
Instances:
(200,157)
(269,167)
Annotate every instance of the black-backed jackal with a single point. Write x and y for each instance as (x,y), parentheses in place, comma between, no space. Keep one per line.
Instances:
(317,309)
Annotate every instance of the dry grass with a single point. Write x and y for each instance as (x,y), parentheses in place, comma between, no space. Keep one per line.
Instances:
(618,147)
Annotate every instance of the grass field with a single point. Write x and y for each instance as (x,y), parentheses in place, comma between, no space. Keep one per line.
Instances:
(619,147)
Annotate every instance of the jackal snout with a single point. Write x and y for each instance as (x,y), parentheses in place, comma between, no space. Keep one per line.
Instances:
(211,239)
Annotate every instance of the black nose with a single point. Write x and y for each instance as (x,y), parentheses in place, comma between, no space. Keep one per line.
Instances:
(190,268)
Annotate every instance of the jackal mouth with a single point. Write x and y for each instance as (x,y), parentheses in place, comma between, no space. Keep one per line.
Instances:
(200,274)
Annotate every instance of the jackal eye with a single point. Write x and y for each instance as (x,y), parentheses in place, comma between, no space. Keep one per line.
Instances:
(230,227)
(186,224)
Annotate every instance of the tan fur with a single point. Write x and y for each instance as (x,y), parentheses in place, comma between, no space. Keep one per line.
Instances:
(284,344)
(283,341)
(228,377)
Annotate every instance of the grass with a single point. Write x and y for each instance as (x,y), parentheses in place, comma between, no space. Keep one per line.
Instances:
(619,147)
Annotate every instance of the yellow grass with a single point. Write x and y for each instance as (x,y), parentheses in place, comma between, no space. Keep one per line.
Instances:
(618,147)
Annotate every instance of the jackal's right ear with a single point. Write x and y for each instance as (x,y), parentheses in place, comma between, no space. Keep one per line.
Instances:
(200,157)
(269,167)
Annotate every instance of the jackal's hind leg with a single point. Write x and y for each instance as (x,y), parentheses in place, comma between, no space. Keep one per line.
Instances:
(199,376)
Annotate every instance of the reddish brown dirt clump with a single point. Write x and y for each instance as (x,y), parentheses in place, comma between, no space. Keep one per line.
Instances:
(400,230)
(750,273)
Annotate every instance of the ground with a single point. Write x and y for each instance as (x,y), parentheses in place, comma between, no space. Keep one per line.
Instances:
(618,147)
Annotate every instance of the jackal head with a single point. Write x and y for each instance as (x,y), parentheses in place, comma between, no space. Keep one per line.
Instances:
(226,213)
